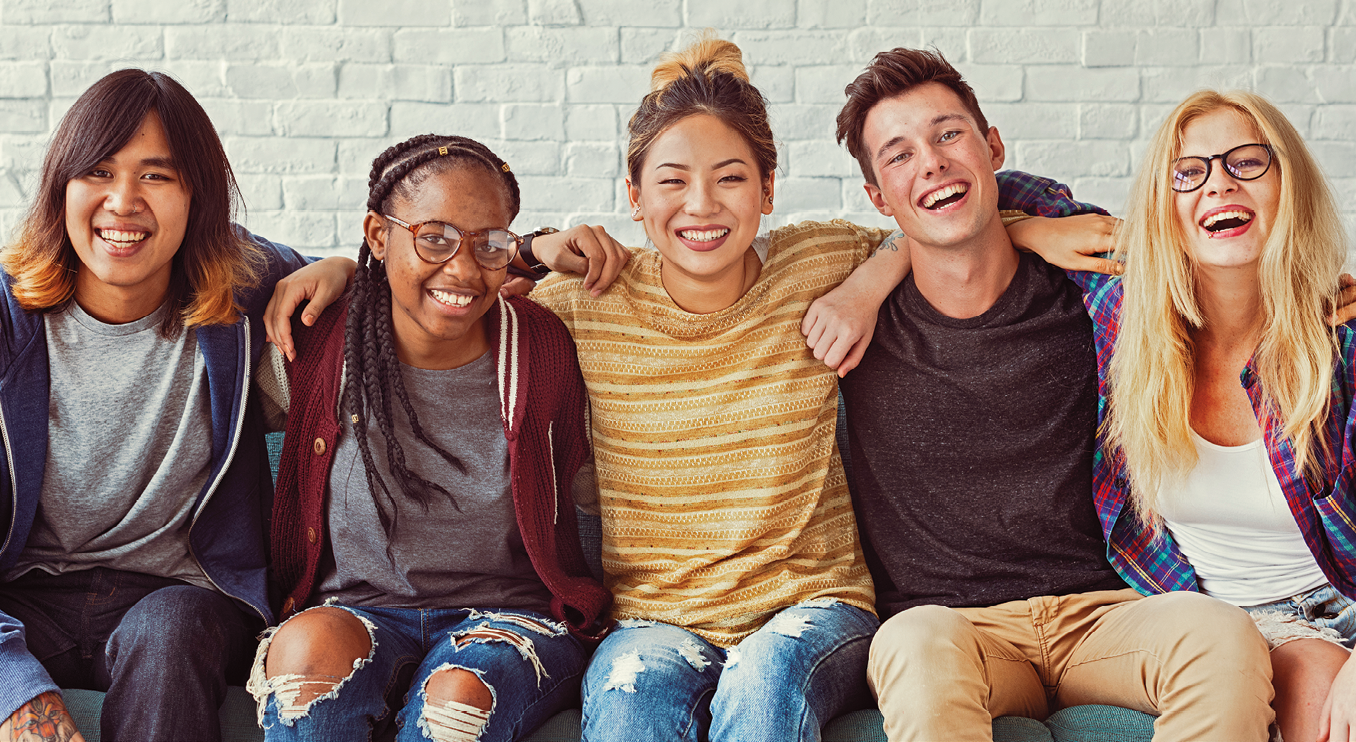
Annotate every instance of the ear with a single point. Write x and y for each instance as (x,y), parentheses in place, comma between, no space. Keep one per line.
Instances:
(375,230)
(996,150)
(768,188)
(633,195)
(878,200)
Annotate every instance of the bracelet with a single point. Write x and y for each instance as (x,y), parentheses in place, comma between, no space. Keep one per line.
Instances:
(534,263)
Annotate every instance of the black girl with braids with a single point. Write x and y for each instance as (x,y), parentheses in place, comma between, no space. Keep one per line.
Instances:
(369,350)
(424,495)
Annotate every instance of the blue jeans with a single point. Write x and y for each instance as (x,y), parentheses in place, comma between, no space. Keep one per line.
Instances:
(656,682)
(531,676)
(163,651)
(1321,608)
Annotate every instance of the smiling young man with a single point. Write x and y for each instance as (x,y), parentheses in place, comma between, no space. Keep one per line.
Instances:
(972,418)
(132,501)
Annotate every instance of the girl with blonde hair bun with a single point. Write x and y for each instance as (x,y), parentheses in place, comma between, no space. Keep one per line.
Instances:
(1227,454)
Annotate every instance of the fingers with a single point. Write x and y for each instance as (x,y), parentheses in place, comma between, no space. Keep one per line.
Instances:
(516,286)
(606,258)
(287,296)
(853,358)
(1346,301)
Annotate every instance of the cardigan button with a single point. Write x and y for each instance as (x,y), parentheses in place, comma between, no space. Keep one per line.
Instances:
(287,605)
(310,535)
(319,446)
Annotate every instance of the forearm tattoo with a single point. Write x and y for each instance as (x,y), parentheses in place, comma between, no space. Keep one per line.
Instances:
(43,719)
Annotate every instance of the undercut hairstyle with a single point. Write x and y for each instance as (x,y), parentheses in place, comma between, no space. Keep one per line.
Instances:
(1152,371)
(707,77)
(213,263)
(372,370)
(891,74)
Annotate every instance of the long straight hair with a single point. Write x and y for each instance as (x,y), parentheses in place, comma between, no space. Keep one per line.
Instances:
(1151,373)
(212,264)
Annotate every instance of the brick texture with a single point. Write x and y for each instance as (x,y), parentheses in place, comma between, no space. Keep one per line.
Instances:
(306,93)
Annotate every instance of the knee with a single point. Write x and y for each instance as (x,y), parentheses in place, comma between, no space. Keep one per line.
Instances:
(321,641)
(457,705)
(924,629)
(462,686)
(178,616)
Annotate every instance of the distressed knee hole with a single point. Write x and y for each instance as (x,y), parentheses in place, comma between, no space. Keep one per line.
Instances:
(731,657)
(458,704)
(311,662)
(789,624)
(622,675)
(485,634)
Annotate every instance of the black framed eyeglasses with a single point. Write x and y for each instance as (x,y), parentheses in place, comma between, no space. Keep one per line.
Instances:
(437,242)
(1244,162)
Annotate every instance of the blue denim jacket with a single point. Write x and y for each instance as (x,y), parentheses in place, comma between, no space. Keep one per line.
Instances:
(231,513)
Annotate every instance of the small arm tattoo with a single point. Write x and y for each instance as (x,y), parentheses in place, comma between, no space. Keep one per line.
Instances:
(890,243)
(43,719)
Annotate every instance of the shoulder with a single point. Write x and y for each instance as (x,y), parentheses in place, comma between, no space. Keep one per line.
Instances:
(819,236)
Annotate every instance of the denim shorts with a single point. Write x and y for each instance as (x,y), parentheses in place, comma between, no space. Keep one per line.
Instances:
(1322,613)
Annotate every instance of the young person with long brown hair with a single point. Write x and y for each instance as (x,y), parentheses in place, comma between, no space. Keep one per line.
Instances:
(135,474)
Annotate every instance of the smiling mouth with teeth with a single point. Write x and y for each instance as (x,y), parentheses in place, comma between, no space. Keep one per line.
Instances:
(452,300)
(708,235)
(121,238)
(945,196)
(1222,220)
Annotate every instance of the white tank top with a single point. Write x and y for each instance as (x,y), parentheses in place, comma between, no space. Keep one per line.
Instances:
(1231,520)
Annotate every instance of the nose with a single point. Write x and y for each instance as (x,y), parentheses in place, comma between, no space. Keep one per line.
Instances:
(123,197)
(463,265)
(700,200)
(1219,181)
(932,161)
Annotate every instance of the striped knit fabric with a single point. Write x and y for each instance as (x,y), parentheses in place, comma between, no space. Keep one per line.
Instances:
(720,485)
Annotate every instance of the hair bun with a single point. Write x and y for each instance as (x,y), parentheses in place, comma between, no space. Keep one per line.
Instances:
(707,55)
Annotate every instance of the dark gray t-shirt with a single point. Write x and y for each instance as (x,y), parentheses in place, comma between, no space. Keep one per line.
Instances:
(129,446)
(443,558)
(972,443)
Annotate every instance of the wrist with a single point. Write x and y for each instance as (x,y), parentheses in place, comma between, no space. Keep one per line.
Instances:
(533,263)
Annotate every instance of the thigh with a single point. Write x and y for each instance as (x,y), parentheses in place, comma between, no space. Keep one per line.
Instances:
(49,608)
(1200,664)
(651,681)
(530,664)
(801,669)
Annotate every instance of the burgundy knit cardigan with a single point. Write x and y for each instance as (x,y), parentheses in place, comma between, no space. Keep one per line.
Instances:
(542,406)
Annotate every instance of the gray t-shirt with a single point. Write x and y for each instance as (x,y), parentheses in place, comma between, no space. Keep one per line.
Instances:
(442,558)
(129,446)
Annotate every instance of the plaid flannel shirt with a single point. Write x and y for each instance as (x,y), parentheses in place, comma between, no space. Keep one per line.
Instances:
(1150,561)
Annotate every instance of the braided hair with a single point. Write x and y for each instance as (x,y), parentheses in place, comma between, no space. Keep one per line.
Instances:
(370,358)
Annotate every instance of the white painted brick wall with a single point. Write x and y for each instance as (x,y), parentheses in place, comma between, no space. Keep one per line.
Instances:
(307,92)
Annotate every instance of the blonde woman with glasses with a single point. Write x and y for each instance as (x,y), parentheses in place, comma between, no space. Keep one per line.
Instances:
(1227,457)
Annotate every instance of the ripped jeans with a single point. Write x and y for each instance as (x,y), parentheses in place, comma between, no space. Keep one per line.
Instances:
(530,663)
(657,682)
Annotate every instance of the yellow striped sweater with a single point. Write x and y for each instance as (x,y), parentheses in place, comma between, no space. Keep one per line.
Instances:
(720,485)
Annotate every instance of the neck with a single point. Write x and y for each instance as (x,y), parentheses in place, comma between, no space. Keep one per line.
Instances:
(964,281)
(1230,300)
(703,294)
(115,305)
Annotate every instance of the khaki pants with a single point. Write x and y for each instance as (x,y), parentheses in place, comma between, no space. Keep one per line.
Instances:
(1198,663)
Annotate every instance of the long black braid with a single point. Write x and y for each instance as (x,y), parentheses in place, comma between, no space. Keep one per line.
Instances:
(371,365)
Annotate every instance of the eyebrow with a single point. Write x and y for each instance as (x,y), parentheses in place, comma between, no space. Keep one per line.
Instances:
(938,119)
(717,166)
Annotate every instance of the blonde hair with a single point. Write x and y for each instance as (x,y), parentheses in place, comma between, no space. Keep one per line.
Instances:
(1151,372)
(708,77)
